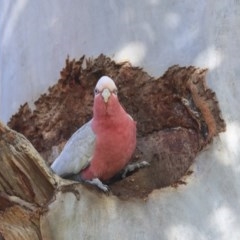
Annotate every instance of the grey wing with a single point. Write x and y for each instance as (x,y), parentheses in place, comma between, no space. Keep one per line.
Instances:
(77,153)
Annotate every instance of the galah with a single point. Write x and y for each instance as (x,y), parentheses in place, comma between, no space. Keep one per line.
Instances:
(103,146)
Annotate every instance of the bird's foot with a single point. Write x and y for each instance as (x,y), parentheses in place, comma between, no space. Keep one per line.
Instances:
(99,184)
(94,181)
(133,166)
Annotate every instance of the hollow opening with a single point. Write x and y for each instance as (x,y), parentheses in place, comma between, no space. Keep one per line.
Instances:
(177,116)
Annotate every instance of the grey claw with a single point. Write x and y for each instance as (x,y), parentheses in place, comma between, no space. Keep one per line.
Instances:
(133,166)
(99,184)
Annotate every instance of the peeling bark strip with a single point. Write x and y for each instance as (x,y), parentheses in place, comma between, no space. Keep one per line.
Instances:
(26,186)
(22,169)
(177,116)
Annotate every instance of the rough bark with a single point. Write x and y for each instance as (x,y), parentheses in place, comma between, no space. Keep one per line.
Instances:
(26,186)
(177,117)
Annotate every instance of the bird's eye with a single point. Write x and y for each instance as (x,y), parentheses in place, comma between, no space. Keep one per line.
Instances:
(96,91)
(115,91)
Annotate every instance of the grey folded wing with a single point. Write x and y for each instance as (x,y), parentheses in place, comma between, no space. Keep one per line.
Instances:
(77,153)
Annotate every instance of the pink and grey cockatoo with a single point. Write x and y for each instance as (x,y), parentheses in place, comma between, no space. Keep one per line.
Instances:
(103,146)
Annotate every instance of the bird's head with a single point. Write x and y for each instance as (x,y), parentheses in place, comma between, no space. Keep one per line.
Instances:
(106,100)
(105,88)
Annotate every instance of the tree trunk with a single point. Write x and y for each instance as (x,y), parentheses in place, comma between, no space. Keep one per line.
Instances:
(177,117)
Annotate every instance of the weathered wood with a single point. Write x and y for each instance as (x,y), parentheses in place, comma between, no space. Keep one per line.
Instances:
(26,186)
